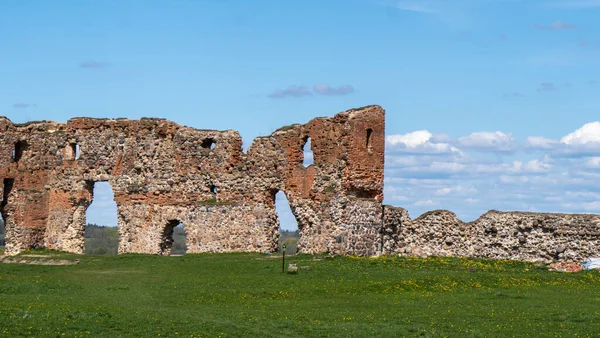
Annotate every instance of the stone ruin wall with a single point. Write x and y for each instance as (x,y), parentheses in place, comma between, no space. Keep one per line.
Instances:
(525,236)
(163,174)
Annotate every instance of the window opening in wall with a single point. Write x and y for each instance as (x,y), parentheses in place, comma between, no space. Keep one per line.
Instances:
(208,143)
(75,150)
(307,152)
(72,151)
(288,226)
(369,132)
(173,239)
(18,150)
(101,233)
(213,189)
(7,185)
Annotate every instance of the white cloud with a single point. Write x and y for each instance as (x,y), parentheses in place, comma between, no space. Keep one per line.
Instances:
(593,162)
(420,142)
(425,203)
(539,142)
(489,141)
(467,175)
(583,141)
(471,200)
(443,191)
(589,133)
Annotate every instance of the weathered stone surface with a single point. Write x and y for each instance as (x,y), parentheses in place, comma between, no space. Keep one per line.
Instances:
(163,174)
(508,235)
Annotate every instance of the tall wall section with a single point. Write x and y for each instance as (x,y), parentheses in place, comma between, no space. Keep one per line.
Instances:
(163,174)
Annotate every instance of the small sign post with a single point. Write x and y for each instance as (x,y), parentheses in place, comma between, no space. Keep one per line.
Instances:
(283,260)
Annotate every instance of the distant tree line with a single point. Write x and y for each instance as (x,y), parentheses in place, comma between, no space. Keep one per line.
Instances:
(179,247)
(104,240)
(101,240)
(290,239)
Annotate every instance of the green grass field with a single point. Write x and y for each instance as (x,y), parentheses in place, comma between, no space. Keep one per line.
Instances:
(246,295)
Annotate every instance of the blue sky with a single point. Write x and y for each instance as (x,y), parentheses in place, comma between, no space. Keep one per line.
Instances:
(481,95)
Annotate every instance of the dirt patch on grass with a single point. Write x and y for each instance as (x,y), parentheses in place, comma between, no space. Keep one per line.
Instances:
(37,256)
(39,261)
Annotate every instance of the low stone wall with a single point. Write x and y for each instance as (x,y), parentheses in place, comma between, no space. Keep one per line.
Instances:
(525,236)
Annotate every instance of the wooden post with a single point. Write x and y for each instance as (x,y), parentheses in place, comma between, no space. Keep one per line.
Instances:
(283,260)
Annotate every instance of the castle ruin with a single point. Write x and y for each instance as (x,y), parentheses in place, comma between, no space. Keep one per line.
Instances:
(163,174)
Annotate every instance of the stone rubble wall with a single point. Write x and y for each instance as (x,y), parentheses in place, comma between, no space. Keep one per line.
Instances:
(163,174)
(525,236)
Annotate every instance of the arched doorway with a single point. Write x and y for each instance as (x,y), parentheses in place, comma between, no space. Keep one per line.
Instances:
(173,239)
(101,233)
(288,226)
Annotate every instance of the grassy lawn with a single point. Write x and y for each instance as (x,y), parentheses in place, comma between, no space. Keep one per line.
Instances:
(246,295)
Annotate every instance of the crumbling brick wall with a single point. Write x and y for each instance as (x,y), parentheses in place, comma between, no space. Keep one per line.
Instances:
(163,174)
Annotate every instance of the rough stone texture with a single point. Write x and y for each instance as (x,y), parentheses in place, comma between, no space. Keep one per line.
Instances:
(508,235)
(163,174)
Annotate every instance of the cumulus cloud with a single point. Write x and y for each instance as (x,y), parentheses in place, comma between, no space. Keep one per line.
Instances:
(93,64)
(589,133)
(489,141)
(422,173)
(584,141)
(292,91)
(555,26)
(540,142)
(323,89)
(593,162)
(420,142)
(425,203)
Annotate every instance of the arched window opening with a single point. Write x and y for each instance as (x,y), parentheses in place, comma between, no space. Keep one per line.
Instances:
(179,241)
(213,189)
(288,226)
(307,152)
(208,143)
(173,239)
(75,150)
(101,233)
(369,132)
